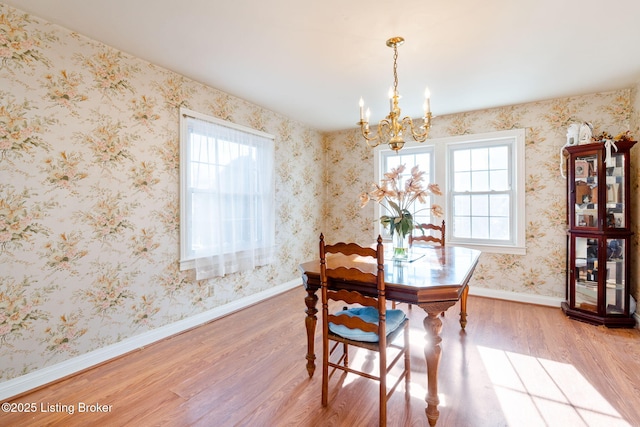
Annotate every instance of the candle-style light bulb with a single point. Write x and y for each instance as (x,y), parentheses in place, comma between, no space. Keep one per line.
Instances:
(427,101)
(361,103)
(390,99)
(366,126)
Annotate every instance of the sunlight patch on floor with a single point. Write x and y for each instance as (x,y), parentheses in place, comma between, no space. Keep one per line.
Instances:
(534,392)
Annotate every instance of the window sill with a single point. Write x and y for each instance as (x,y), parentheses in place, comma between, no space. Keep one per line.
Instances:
(236,261)
(513,250)
(188,264)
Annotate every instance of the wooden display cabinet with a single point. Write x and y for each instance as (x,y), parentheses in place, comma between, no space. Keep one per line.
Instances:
(599,235)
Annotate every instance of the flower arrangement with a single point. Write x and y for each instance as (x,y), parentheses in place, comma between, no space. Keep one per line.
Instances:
(397,200)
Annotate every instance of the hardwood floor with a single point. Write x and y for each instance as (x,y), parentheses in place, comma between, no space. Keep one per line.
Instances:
(516,365)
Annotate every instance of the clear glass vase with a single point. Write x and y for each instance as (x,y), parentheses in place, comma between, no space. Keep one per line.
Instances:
(400,246)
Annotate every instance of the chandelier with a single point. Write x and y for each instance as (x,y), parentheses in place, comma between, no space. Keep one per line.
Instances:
(392,128)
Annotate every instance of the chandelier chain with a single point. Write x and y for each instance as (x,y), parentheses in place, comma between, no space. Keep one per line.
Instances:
(395,69)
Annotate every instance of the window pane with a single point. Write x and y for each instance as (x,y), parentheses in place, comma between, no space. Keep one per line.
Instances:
(499,228)
(462,227)
(480,205)
(480,227)
(404,160)
(499,205)
(462,160)
(499,180)
(480,159)
(422,213)
(392,163)
(462,205)
(499,157)
(480,181)
(422,208)
(424,161)
(462,181)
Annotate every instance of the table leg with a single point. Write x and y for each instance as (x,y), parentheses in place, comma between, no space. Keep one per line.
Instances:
(433,353)
(310,322)
(463,307)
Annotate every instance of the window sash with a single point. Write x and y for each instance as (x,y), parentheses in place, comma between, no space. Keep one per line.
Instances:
(484,226)
(227,196)
(478,223)
(387,159)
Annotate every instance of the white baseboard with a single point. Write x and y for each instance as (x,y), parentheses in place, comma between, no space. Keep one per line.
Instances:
(514,296)
(526,298)
(60,370)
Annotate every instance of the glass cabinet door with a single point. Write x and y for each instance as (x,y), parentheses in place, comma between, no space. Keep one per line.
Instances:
(586,190)
(599,233)
(615,180)
(615,301)
(586,274)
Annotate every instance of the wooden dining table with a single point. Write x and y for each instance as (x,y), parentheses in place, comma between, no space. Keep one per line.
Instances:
(434,278)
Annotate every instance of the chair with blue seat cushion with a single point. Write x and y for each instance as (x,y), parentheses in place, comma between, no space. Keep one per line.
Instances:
(367,323)
(395,318)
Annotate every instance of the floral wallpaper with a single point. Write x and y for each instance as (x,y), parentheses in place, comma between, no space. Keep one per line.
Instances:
(542,270)
(89,201)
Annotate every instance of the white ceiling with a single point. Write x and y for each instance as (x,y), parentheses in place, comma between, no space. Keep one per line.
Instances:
(312,60)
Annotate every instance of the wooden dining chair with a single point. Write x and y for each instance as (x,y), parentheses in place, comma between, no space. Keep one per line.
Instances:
(366,323)
(428,238)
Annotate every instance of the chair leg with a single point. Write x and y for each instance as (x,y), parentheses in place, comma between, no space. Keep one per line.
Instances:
(383,395)
(407,353)
(325,382)
(407,363)
(325,364)
(383,383)
(345,349)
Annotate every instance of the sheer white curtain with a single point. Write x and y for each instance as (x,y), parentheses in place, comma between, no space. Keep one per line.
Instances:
(230,198)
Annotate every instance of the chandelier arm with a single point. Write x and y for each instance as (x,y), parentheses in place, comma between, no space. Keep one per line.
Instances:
(419,136)
(371,141)
(381,132)
(384,128)
(371,144)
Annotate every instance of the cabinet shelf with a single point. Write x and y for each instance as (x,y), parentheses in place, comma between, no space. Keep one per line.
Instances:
(598,235)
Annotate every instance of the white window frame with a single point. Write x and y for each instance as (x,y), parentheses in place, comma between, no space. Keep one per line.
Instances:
(381,153)
(515,141)
(443,176)
(187,256)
